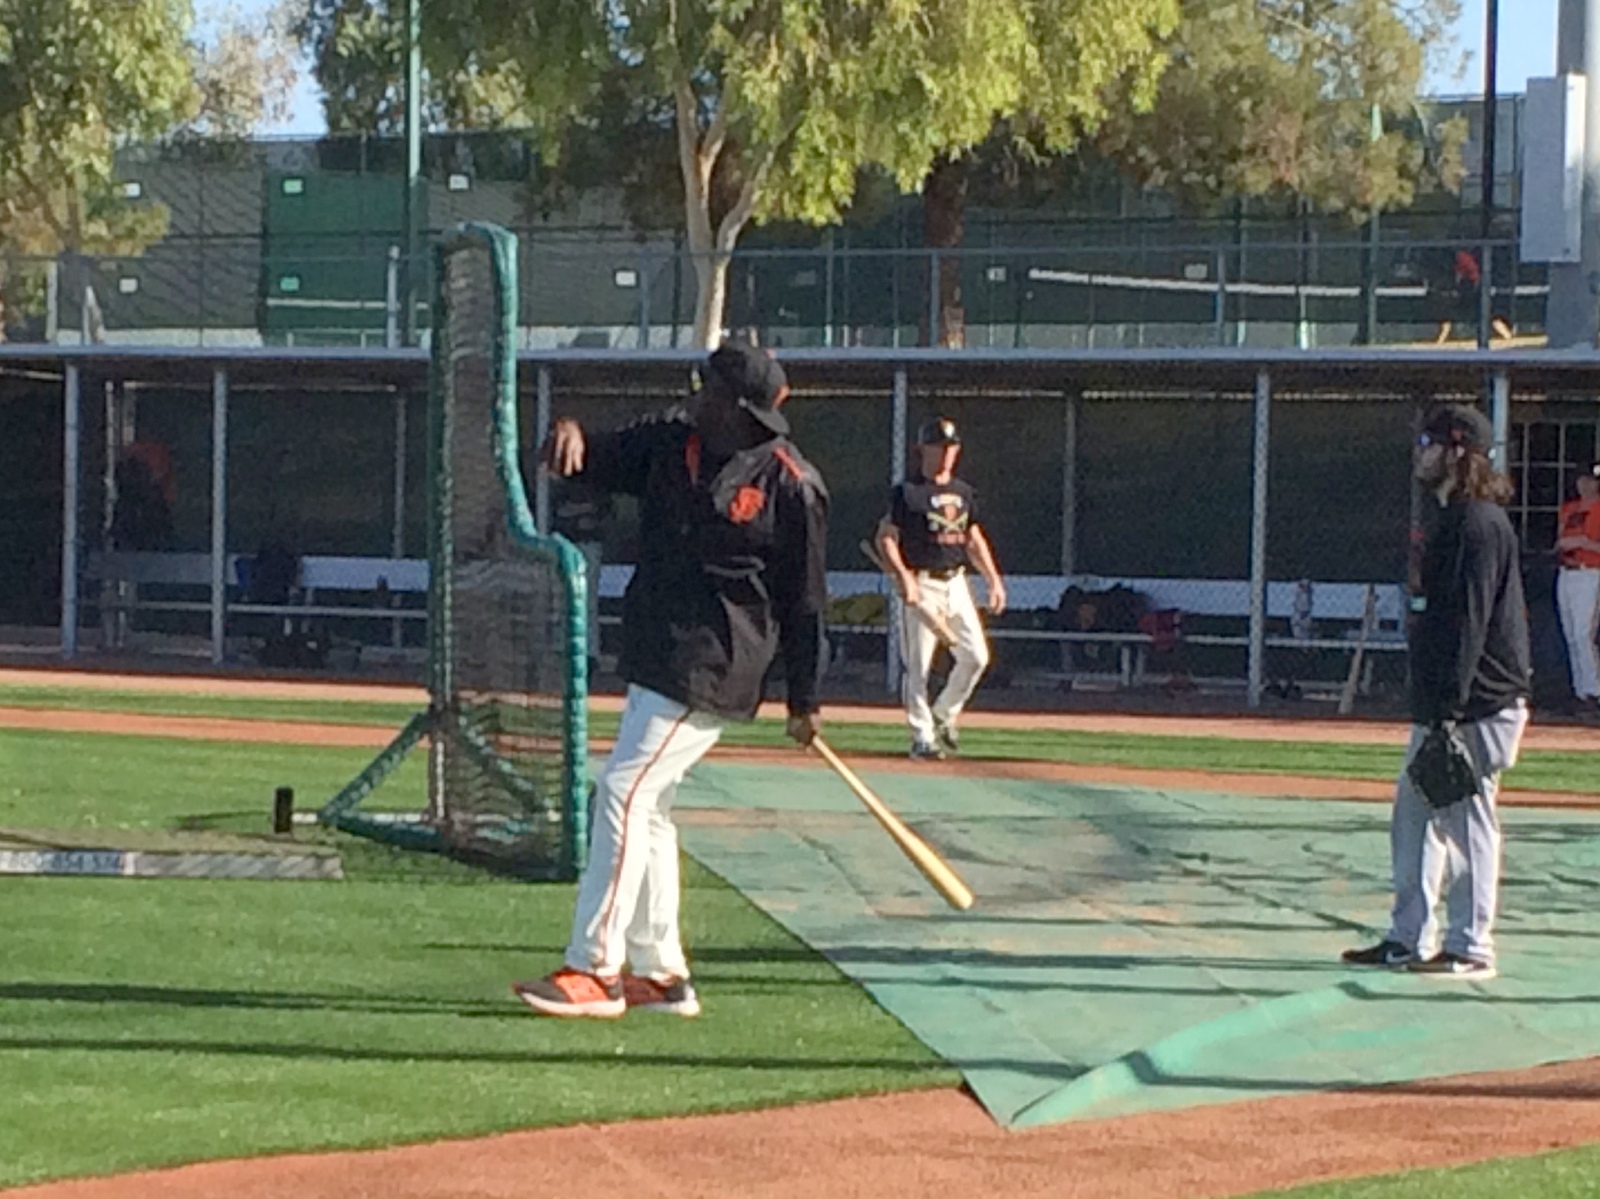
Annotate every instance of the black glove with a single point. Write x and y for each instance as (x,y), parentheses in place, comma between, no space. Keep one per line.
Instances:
(1442,768)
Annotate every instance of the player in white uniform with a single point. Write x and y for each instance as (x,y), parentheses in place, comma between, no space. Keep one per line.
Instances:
(1578,588)
(929,539)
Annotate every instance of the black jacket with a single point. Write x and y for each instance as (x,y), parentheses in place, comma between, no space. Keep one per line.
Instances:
(732,563)
(1469,637)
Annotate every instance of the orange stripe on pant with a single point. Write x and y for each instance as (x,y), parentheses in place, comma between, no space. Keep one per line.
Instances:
(608,908)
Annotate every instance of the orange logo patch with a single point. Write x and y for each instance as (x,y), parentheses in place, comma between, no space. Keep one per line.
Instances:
(746,505)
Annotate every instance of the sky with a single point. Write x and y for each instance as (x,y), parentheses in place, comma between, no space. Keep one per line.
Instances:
(1527,49)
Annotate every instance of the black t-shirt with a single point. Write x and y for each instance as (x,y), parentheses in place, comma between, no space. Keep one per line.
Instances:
(935,522)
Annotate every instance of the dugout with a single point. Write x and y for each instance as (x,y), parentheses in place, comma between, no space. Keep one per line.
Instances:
(1090,466)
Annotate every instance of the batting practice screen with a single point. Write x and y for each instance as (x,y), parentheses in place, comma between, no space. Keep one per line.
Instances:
(507,635)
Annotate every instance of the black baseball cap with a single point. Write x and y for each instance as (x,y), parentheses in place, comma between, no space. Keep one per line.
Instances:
(1458,425)
(755,379)
(939,431)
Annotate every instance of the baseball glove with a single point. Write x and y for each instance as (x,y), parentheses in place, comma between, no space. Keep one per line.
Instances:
(1442,768)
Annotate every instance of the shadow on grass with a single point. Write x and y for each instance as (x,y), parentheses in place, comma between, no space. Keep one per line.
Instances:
(608,1055)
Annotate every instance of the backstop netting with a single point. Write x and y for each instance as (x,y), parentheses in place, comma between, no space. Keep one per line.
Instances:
(508,643)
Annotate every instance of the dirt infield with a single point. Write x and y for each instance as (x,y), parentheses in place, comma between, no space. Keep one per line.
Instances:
(915,1145)
(935,1143)
(1321,730)
(198,728)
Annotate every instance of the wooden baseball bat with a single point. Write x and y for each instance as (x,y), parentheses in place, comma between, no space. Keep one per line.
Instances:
(941,628)
(934,868)
(1347,697)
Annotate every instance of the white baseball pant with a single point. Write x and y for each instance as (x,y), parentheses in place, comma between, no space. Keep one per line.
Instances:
(952,599)
(1578,598)
(627,908)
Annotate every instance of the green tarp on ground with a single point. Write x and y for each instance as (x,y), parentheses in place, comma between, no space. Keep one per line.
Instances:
(1138,950)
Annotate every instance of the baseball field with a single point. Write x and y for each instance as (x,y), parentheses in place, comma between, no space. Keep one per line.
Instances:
(1144,1001)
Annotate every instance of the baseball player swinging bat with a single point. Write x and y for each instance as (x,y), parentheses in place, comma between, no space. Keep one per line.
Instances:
(941,627)
(934,868)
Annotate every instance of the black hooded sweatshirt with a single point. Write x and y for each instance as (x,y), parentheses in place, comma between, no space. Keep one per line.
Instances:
(1469,637)
(732,564)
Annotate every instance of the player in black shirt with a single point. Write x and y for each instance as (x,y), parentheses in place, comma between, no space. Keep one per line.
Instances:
(1470,671)
(928,539)
(732,563)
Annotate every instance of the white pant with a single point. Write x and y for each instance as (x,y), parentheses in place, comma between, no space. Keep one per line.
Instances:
(1578,598)
(628,896)
(1453,854)
(952,599)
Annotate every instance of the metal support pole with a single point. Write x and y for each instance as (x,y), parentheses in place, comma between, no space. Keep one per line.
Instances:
(397,532)
(413,185)
(219,513)
(1491,58)
(1500,416)
(391,300)
(541,430)
(933,297)
(827,288)
(69,514)
(1220,309)
(1069,486)
(644,301)
(897,476)
(1369,312)
(1258,538)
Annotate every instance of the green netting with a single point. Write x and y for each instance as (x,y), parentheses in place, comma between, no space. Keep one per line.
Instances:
(1136,950)
(508,654)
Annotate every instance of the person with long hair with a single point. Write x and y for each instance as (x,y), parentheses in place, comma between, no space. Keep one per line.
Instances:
(1470,681)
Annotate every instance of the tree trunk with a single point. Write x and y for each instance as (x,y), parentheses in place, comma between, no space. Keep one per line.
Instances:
(944,213)
(711,298)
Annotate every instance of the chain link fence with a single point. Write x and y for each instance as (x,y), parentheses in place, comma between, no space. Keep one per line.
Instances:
(610,291)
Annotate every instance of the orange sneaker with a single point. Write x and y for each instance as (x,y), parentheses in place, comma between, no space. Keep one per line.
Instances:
(675,996)
(570,992)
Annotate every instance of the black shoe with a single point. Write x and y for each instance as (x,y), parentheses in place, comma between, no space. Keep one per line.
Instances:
(944,734)
(1385,955)
(926,751)
(1455,966)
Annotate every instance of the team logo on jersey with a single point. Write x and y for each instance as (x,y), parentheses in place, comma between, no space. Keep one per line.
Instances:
(948,517)
(746,504)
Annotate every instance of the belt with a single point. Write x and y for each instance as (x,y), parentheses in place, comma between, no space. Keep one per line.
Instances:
(949,572)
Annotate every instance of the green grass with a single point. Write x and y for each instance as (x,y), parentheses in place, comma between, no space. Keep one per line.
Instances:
(1574,1174)
(1539,770)
(82,781)
(232,707)
(149,1023)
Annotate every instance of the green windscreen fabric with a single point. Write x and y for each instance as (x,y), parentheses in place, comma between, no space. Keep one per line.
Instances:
(1134,951)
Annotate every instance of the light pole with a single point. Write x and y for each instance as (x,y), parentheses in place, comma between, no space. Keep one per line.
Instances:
(1491,56)
(413,200)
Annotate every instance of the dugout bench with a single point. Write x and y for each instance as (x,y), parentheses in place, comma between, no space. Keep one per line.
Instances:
(381,597)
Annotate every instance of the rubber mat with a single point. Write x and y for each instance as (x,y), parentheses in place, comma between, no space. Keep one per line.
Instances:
(1139,950)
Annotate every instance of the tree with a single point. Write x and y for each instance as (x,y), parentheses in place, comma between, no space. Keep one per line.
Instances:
(80,80)
(244,71)
(772,108)
(1274,98)
(76,80)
